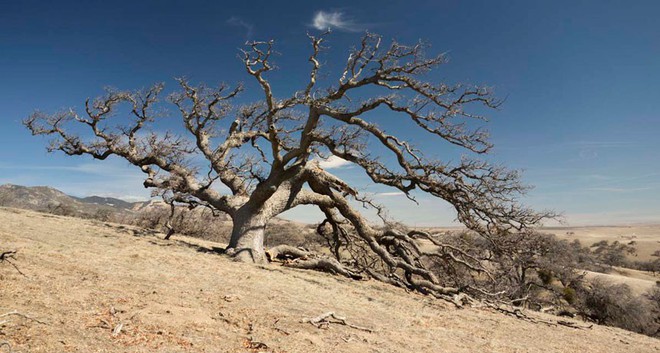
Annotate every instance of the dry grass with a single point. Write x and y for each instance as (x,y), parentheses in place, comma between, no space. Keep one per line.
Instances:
(640,282)
(85,278)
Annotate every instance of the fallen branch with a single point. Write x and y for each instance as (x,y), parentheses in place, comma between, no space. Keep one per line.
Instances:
(325,265)
(16,313)
(286,252)
(518,313)
(324,321)
(7,344)
(103,324)
(573,324)
(251,344)
(5,256)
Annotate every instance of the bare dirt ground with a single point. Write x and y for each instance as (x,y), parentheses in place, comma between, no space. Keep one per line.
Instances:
(86,279)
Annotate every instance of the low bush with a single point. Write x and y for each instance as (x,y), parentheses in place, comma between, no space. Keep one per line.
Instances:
(202,223)
(616,305)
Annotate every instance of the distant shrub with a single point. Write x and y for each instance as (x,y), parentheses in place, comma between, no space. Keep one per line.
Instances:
(198,223)
(570,295)
(60,209)
(616,305)
(153,218)
(545,275)
(612,254)
(201,223)
(104,215)
(652,266)
(293,234)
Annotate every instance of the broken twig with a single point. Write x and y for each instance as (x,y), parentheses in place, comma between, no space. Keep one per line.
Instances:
(324,320)
(117,330)
(6,256)
(16,313)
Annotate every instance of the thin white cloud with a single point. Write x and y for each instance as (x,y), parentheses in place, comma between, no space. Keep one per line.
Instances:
(333,162)
(629,180)
(103,169)
(335,20)
(239,22)
(389,194)
(588,153)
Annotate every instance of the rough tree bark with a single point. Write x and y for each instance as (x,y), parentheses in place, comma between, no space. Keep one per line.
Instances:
(267,155)
(247,237)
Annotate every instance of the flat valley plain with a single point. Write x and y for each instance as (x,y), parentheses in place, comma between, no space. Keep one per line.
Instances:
(646,237)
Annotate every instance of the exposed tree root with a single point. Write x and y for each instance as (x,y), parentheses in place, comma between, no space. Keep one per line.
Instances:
(303,259)
(324,321)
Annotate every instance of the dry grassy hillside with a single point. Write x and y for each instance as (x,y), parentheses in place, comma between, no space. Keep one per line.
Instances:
(84,279)
(640,282)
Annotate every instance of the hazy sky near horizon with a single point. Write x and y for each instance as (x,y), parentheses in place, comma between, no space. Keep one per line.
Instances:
(581,81)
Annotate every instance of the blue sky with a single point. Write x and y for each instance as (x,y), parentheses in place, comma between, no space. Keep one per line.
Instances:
(581,81)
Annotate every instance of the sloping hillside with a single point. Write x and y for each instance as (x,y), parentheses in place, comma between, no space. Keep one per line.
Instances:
(35,198)
(44,198)
(86,279)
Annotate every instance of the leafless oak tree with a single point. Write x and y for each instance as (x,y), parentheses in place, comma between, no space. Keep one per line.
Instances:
(266,154)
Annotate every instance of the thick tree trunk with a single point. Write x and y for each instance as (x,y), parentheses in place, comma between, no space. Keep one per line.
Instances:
(247,238)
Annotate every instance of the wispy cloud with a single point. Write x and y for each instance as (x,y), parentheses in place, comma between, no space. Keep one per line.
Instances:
(620,190)
(573,145)
(112,178)
(333,162)
(634,179)
(588,153)
(101,169)
(335,20)
(389,194)
(239,22)
(601,144)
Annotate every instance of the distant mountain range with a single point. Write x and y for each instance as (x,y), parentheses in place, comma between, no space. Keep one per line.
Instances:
(109,201)
(48,199)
